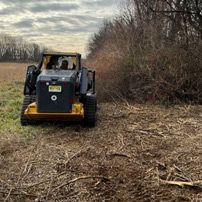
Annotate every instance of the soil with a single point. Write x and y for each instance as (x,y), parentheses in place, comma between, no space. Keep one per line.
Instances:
(133,154)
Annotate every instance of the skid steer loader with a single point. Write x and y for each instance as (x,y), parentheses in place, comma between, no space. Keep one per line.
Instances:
(59,89)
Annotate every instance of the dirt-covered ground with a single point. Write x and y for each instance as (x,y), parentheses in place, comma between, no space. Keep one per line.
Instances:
(135,153)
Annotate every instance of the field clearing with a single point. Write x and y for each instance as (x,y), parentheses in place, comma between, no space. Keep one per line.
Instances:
(133,154)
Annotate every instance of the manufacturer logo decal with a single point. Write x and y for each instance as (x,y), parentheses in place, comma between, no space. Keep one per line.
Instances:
(54,98)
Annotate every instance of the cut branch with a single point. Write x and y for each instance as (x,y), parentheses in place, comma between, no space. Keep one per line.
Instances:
(182,184)
(78,179)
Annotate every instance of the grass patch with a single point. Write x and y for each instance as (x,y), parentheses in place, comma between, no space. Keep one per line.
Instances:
(11,97)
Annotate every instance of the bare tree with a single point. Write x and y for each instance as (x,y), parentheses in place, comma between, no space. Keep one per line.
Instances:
(17,50)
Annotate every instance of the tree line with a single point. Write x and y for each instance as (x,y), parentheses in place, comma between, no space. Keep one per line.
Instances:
(15,49)
(152,50)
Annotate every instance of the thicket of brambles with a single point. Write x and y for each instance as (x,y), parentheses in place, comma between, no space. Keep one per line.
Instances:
(151,52)
(15,49)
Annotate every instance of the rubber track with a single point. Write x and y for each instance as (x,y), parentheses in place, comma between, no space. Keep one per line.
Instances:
(90,106)
(27,101)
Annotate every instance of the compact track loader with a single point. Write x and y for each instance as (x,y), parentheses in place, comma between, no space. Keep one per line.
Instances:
(59,89)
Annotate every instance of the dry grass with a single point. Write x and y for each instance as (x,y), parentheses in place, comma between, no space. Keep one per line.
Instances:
(12,78)
(129,156)
(12,72)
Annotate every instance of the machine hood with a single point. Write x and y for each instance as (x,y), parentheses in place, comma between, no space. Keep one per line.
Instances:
(58,75)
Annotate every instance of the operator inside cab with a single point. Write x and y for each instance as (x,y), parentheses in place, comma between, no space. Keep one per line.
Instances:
(64,65)
(52,64)
(61,63)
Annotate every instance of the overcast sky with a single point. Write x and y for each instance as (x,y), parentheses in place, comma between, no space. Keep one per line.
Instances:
(64,25)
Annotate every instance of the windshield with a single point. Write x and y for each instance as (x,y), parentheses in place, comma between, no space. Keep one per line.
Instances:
(60,62)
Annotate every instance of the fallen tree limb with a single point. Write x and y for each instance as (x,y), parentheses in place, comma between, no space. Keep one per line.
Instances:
(44,181)
(182,184)
(78,179)
(120,154)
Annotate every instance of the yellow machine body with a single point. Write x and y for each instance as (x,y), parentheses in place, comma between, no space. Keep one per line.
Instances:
(77,113)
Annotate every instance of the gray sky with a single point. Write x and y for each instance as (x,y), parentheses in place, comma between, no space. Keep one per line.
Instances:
(64,25)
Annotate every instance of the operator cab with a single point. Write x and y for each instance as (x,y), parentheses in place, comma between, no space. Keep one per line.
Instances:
(58,61)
